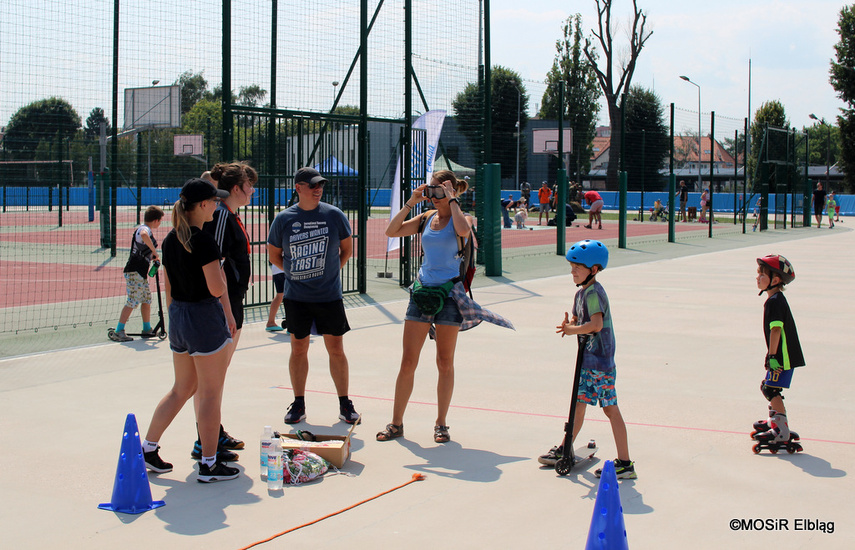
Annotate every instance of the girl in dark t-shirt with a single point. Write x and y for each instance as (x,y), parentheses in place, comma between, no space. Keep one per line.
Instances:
(198,333)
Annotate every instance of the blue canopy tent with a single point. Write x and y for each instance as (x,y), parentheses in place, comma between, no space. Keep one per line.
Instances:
(342,191)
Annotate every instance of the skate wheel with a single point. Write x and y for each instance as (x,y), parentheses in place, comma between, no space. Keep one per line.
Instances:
(752,434)
(791,449)
(756,449)
(773,450)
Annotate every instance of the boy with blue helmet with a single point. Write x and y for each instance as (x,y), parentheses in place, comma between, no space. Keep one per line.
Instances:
(592,317)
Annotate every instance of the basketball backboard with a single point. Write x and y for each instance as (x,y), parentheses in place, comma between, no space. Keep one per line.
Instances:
(545,141)
(152,107)
(188,145)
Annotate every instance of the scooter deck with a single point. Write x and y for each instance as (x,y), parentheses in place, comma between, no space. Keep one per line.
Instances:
(583,456)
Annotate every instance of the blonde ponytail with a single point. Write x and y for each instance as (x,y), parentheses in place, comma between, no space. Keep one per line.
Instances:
(181,224)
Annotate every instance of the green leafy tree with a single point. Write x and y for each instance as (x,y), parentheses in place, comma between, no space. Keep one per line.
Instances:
(771,114)
(206,118)
(581,94)
(194,88)
(647,139)
(842,79)
(509,105)
(615,81)
(47,119)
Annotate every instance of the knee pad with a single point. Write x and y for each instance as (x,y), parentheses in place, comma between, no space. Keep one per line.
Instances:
(770,392)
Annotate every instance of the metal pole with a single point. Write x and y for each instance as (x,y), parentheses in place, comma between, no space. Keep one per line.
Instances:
(712,166)
(672,185)
(519,103)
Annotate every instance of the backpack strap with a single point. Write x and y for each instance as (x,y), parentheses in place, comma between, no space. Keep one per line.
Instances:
(423,218)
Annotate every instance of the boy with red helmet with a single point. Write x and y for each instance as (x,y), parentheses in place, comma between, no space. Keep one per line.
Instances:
(784,353)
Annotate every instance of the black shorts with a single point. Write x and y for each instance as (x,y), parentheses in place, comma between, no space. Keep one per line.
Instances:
(304,318)
(279,282)
(236,300)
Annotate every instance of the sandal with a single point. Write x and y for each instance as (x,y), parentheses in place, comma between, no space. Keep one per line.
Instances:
(392,431)
(440,434)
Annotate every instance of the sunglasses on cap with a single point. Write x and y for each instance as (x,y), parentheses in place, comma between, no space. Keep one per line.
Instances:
(434,192)
(313,184)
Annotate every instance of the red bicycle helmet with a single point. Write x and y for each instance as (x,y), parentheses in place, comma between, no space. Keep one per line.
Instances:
(780,266)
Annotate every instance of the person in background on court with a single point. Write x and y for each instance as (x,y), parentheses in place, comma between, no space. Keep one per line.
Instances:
(438,302)
(525,192)
(818,203)
(143,251)
(830,205)
(543,196)
(522,214)
(276,302)
(507,204)
(757,209)
(198,332)
(684,200)
(311,242)
(596,208)
(705,197)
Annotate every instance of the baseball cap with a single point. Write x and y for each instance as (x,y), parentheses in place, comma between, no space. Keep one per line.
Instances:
(309,175)
(198,190)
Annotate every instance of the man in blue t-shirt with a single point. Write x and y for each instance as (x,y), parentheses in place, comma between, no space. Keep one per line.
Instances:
(311,242)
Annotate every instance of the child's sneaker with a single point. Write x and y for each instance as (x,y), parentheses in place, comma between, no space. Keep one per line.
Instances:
(118,336)
(218,472)
(553,456)
(623,470)
(348,413)
(296,413)
(156,464)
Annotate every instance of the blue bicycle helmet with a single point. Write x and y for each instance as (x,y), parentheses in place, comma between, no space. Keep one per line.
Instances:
(589,253)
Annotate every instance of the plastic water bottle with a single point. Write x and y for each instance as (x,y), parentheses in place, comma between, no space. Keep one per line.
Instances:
(155,265)
(274,465)
(266,442)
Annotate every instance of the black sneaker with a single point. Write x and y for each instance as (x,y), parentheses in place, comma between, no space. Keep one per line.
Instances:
(554,455)
(295,414)
(349,414)
(218,472)
(228,442)
(223,455)
(156,464)
(623,470)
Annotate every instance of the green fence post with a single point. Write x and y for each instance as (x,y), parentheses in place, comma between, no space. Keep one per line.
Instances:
(491,234)
(672,191)
(622,182)
(561,212)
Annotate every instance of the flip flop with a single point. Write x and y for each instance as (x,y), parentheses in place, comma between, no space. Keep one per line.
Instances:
(274,328)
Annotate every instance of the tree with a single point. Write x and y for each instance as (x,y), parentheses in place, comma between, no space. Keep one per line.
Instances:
(251,96)
(613,85)
(92,129)
(206,115)
(770,113)
(47,119)
(509,104)
(843,81)
(194,88)
(647,138)
(581,94)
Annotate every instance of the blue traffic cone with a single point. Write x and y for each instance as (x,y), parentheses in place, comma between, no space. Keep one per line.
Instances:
(607,531)
(131,491)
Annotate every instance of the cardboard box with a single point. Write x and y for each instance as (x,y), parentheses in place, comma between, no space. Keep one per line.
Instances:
(335,449)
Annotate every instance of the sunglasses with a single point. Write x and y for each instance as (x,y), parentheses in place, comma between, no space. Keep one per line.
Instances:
(313,185)
(434,192)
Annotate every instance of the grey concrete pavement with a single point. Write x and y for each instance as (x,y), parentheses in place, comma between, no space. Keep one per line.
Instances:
(690,348)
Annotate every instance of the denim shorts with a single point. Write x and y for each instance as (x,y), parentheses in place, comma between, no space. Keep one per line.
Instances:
(448,315)
(597,386)
(198,328)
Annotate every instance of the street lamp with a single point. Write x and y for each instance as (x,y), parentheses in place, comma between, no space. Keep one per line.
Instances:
(334,88)
(687,79)
(519,103)
(827,147)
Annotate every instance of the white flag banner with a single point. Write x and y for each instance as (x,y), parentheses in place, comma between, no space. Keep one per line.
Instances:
(431,122)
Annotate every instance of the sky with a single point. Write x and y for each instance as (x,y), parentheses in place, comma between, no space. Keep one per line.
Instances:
(789,43)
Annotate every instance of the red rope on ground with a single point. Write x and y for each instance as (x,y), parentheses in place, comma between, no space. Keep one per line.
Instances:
(416,477)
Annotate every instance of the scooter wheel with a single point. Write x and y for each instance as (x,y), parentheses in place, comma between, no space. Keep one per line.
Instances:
(161,334)
(562,467)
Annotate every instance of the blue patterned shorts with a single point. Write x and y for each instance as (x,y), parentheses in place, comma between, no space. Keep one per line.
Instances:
(138,290)
(597,386)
